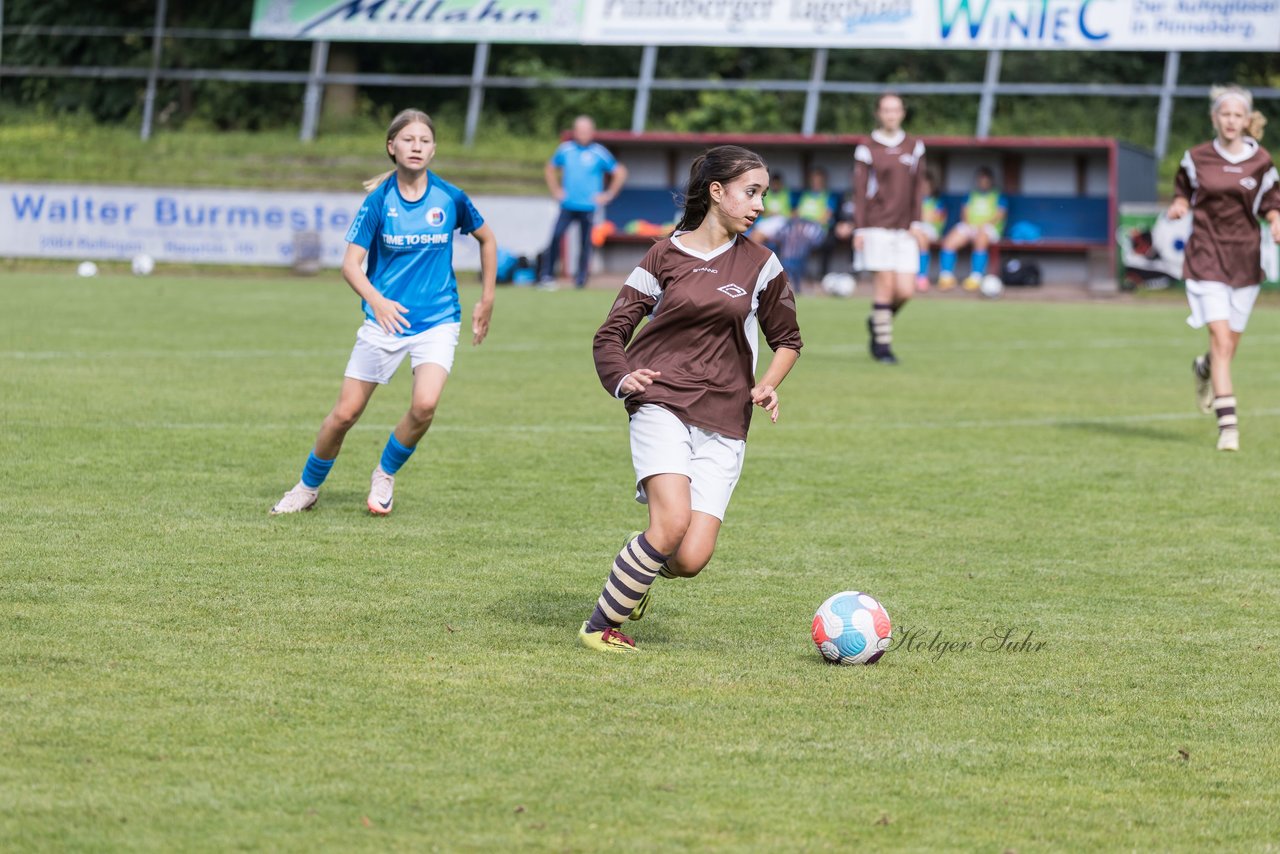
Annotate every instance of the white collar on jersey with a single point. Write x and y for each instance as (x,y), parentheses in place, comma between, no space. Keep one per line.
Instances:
(1250,148)
(886,140)
(703,256)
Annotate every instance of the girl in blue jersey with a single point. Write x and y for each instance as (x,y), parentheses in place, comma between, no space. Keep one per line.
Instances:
(404,230)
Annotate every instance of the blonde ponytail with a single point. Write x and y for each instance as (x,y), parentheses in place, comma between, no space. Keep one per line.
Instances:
(376,181)
(1257,121)
(403,119)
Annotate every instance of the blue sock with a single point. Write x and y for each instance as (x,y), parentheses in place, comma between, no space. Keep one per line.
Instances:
(315,471)
(979,263)
(394,455)
(947,260)
(924,263)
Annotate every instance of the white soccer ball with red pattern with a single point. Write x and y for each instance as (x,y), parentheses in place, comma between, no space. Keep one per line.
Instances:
(852,628)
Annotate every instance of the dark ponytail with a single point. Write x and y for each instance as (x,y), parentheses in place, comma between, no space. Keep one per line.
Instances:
(715,165)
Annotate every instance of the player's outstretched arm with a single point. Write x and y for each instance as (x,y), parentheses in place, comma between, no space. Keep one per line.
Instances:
(488,280)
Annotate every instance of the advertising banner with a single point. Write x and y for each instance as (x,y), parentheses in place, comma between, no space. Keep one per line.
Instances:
(1151,249)
(197,226)
(419,20)
(1157,25)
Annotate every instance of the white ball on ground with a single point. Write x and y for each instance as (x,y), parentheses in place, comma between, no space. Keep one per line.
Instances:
(87,269)
(142,264)
(839,284)
(991,286)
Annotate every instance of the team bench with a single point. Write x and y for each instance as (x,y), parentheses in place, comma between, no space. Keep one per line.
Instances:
(1068,225)
(1070,187)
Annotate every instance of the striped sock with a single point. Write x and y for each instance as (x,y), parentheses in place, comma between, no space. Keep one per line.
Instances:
(394,455)
(882,324)
(665,572)
(634,569)
(315,471)
(1225,407)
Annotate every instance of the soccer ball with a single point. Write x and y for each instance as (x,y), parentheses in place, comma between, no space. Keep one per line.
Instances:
(143,264)
(839,284)
(991,286)
(851,628)
(87,270)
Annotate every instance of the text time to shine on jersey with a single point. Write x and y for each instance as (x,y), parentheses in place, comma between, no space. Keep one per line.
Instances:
(169,211)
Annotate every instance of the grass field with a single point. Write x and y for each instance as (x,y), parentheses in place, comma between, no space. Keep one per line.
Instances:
(180,672)
(74,150)
(70,150)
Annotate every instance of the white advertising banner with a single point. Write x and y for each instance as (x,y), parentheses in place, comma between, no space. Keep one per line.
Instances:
(1160,25)
(219,226)
(1156,25)
(419,20)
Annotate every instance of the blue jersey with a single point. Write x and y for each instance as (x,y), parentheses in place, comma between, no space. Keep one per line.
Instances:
(410,248)
(583,168)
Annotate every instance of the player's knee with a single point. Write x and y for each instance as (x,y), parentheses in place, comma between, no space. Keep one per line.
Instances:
(422,412)
(343,418)
(667,530)
(691,565)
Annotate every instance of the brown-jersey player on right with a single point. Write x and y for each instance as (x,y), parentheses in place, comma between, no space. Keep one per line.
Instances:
(1226,184)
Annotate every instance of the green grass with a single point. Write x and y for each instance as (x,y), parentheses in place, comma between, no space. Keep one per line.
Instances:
(180,672)
(73,150)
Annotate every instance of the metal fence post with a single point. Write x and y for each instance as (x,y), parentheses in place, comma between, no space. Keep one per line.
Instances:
(314,95)
(1,34)
(812,97)
(987,106)
(149,100)
(1165,115)
(640,112)
(475,99)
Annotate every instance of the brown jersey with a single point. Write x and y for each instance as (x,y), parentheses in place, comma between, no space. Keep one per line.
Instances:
(706,311)
(1227,195)
(888,181)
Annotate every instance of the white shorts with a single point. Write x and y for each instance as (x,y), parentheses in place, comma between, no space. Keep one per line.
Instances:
(662,444)
(972,231)
(888,250)
(377,354)
(1212,301)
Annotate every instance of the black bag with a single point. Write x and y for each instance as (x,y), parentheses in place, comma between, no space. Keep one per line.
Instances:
(1018,273)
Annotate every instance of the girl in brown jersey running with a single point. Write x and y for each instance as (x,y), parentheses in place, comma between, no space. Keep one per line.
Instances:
(888,186)
(1226,184)
(688,377)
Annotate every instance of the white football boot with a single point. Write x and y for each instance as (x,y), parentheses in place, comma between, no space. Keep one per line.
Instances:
(301,497)
(1229,439)
(381,487)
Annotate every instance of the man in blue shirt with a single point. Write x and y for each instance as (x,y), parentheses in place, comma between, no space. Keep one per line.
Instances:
(576,178)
